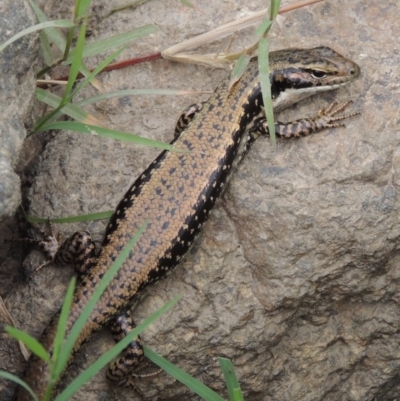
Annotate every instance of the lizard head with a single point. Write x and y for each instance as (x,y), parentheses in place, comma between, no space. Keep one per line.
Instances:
(299,73)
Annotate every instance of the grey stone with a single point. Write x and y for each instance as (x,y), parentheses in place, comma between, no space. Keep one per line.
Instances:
(17,85)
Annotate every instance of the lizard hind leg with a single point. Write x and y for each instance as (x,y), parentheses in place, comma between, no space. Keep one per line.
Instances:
(122,371)
(79,249)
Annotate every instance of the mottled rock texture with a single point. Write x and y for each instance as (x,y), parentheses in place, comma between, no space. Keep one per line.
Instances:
(17,84)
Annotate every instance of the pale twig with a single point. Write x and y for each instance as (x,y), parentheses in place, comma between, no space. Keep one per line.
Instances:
(220,60)
(10,321)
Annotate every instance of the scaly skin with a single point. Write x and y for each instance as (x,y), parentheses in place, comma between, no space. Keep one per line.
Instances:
(177,192)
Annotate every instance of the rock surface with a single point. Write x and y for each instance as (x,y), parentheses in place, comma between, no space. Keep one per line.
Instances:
(17,84)
(296,276)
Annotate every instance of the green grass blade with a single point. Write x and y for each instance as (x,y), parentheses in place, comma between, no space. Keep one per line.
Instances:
(59,23)
(100,67)
(264,27)
(232,383)
(84,316)
(132,92)
(54,34)
(81,7)
(70,109)
(275,4)
(62,321)
(68,44)
(76,62)
(116,41)
(76,111)
(131,5)
(193,384)
(93,130)
(48,97)
(237,395)
(30,342)
(263,66)
(65,103)
(112,353)
(16,379)
(85,71)
(239,69)
(73,73)
(187,3)
(46,49)
(72,219)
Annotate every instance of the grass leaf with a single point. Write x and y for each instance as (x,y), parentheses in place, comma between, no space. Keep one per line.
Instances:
(62,322)
(120,40)
(89,307)
(264,27)
(16,379)
(195,385)
(70,109)
(237,394)
(73,73)
(112,353)
(133,92)
(58,23)
(187,3)
(93,130)
(100,67)
(263,66)
(275,4)
(30,342)
(57,37)
(76,62)
(73,219)
(239,69)
(54,34)
(78,113)
(46,49)
(232,383)
(81,7)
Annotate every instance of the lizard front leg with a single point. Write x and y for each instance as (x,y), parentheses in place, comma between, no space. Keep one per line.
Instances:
(305,126)
(78,249)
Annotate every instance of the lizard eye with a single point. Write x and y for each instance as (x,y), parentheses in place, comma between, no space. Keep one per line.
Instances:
(318,74)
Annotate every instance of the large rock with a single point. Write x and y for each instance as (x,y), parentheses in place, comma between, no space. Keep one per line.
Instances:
(17,89)
(296,276)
